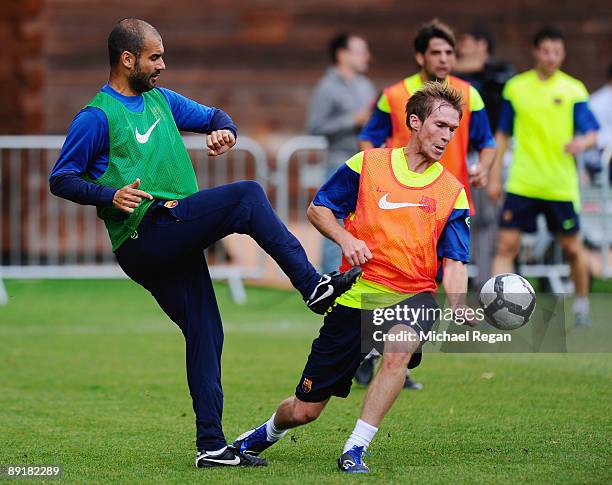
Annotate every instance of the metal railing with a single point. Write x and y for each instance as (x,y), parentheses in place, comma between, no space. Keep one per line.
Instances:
(301,168)
(42,236)
(596,215)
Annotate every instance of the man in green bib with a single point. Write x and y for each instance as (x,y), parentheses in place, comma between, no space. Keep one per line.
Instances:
(124,154)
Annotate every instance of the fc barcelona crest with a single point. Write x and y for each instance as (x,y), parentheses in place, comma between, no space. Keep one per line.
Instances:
(306,385)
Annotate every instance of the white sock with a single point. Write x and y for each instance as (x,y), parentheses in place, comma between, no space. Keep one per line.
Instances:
(581,305)
(217,452)
(273,433)
(361,436)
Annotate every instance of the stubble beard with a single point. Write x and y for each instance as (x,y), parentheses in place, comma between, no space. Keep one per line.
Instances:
(138,81)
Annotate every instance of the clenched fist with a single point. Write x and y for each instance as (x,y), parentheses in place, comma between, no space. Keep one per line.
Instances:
(219,142)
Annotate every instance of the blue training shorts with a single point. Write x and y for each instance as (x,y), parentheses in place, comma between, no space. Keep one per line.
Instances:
(520,212)
(337,352)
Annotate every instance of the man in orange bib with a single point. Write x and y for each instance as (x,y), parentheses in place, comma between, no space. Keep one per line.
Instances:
(434,46)
(404,214)
(435,54)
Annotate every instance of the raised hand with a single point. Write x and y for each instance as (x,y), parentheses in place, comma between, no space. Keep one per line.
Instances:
(219,142)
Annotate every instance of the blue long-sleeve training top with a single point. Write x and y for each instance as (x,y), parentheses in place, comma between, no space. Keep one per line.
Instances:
(86,149)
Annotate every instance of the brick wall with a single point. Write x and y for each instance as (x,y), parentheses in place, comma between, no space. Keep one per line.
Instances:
(259,59)
(21,66)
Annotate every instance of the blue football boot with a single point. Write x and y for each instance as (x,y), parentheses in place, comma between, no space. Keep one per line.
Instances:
(254,441)
(352,460)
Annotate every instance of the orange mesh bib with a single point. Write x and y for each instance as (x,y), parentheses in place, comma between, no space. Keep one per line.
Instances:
(401,225)
(455,155)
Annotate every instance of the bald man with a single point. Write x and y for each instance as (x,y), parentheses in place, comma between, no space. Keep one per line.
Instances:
(124,154)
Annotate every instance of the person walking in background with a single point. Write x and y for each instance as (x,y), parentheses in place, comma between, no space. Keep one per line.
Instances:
(476,65)
(547,113)
(339,107)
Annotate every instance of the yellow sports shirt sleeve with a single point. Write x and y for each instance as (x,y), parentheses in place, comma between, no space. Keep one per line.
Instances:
(462,201)
(476,102)
(355,162)
(383,104)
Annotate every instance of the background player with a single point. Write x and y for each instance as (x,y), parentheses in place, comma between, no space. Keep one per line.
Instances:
(547,113)
(434,46)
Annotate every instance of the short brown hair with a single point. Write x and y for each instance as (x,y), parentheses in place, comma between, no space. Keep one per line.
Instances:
(423,101)
(431,30)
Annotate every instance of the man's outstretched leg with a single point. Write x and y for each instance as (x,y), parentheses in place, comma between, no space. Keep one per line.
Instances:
(333,360)
(243,207)
(290,413)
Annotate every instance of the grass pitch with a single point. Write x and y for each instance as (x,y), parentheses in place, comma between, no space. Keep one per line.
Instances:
(92,377)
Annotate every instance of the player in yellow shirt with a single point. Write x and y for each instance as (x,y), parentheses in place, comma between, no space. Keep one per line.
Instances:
(547,113)
(434,46)
(405,214)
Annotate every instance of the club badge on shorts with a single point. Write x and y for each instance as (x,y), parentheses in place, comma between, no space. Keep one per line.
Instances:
(171,204)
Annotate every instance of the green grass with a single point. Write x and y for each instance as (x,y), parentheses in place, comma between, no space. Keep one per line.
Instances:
(92,377)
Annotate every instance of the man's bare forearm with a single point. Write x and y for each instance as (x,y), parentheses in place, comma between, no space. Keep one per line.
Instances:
(487,157)
(323,219)
(354,250)
(454,281)
(365,145)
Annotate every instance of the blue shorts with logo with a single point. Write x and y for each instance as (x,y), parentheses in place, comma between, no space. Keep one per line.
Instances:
(520,212)
(337,352)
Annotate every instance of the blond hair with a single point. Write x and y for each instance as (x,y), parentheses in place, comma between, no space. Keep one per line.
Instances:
(423,101)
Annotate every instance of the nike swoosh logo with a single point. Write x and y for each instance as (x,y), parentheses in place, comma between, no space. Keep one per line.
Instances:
(234,461)
(329,291)
(145,138)
(324,280)
(383,203)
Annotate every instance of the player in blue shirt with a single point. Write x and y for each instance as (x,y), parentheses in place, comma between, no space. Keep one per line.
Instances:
(164,254)
(405,215)
(85,151)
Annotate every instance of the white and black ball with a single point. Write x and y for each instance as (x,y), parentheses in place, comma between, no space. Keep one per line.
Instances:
(508,301)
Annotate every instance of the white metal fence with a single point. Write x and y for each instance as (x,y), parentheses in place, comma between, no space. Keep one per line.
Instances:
(300,171)
(596,215)
(43,236)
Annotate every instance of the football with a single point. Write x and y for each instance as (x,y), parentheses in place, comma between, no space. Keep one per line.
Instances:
(508,301)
